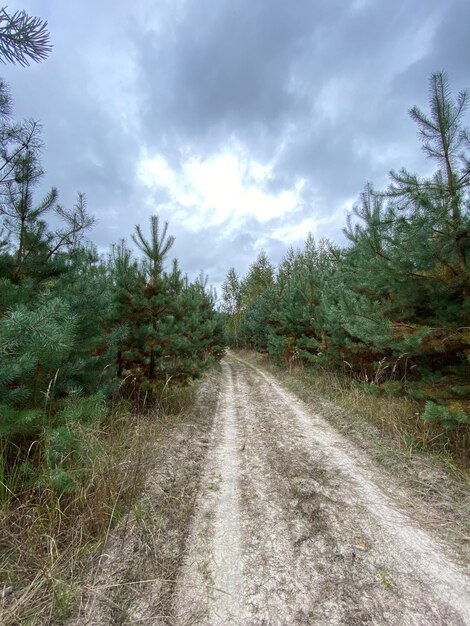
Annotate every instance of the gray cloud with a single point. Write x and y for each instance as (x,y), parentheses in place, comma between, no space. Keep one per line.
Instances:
(320,90)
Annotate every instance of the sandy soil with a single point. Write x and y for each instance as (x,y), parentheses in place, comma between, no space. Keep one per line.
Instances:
(133,580)
(295,525)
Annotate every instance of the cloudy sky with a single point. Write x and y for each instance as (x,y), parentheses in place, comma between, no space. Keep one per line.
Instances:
(244,123)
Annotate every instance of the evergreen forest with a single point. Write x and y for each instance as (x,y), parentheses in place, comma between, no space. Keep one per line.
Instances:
(76,329)
(392,307)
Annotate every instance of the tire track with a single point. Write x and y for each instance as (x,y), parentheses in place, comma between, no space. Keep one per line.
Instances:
(293,526)
(211,589)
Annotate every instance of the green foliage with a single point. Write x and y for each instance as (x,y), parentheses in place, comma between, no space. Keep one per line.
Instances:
(392,388)
(260,276)
(87,410)
(34,344)
(370,388)
(392,307)
(442,415)
(23,38)
(69,441)
(74,328)
(156,248)
(231,306)
(60,481)
(170,329)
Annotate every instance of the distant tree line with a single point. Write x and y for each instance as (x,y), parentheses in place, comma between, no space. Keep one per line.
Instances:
(393,306)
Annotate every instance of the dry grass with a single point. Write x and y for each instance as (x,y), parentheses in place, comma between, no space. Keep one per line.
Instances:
(47,540)
(136,580)
(397,416)
(390,430)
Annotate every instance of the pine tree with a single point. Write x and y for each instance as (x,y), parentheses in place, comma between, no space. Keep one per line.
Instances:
(231,306)
(396,301)
(254,299)
(169,329)
(406,275)
(298,326)
(447,142)
(52,304)
(260,276)
(157,298)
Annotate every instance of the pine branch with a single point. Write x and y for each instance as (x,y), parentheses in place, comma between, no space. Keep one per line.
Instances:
(23,38)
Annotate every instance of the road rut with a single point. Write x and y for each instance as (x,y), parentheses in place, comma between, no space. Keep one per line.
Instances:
(294,525)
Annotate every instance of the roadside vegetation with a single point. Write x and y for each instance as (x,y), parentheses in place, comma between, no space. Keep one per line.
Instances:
(96,352)
(386,318)
(54,544)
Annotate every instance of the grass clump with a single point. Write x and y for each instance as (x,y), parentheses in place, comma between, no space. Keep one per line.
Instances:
(55,516)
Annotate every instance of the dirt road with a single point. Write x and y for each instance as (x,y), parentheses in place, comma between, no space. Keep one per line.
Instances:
(294,525)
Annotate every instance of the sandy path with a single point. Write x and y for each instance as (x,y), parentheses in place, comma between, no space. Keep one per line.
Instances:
(294,525)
